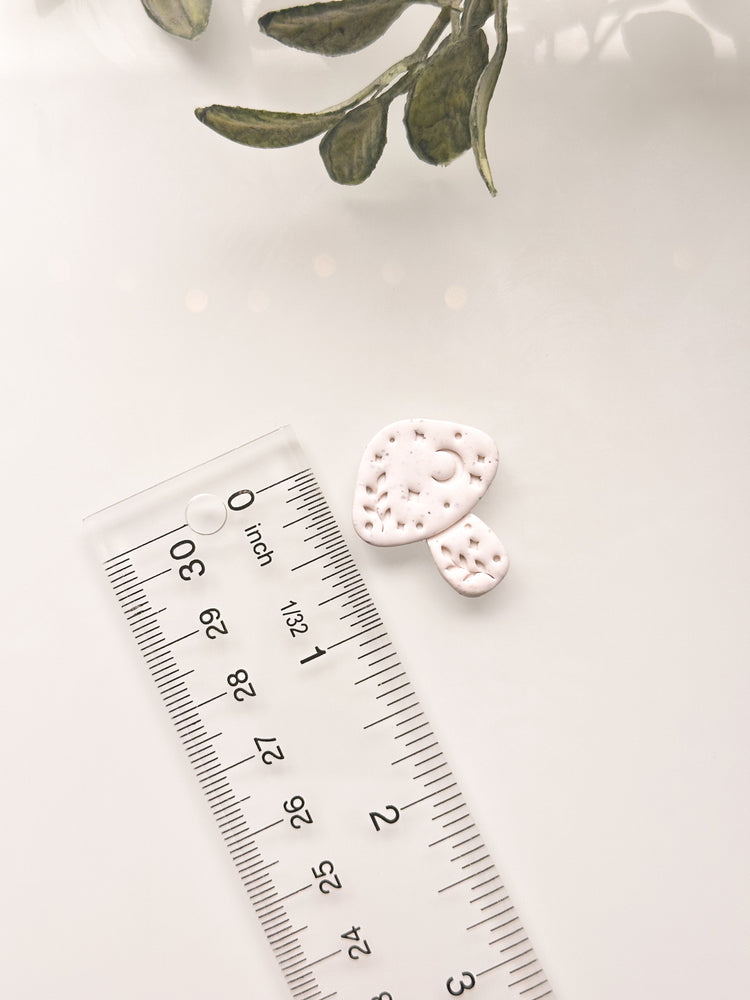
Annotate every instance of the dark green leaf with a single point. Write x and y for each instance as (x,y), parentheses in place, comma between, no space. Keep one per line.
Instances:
(483,92)
(334,28)
(352,148)
(439,105)
(266,129)
(184,18)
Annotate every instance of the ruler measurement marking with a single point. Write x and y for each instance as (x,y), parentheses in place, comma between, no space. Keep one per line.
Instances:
(114,560)
(206,739)
(414,753)
(264,489)
(350,637)
(344,573)
(403,697)
(177,696)
(462,880)
(229,826)
(436,805)
(352,586)
(516,944)
(281,923)
(325,958)
(209,700)
(291,933)
(377,673)
(314,501)
(458,819)
(194,729)
(408,732)
(148,579)
(478,861)
(309,562)
(392,715)
(449,811)
(131,600)
(432,770)
(417,801)
(150,541)
(146,630)
(504,937)
(525,965)
(217,793)
(486,882)
(448,837)
(372,652)
(293,949)
(324,531)
(390,680)
(305,488)
(172,680)
(237,764)
(296,520)
(261,872)
(200,763)
(336,597)
(290,949)
(241,850)
(387,694)
(261,894)
(497,902)
(405,722)
(264,828)
(499,965)
(135,613)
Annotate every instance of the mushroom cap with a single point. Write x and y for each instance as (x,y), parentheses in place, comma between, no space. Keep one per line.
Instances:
(418,477)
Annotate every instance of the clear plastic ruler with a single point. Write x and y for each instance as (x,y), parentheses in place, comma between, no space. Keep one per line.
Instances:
(335,801)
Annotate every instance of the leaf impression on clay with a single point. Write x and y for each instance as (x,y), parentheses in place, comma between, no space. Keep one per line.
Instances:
(418,477)
(469,556)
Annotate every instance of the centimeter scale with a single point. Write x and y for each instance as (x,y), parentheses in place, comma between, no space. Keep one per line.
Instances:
(340,812)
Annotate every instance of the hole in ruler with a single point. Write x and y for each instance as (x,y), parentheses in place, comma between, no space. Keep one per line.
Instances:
(205,513)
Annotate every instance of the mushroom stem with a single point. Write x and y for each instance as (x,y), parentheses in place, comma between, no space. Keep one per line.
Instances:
(469,556)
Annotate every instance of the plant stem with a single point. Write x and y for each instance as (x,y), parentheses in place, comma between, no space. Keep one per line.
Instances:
(403,66)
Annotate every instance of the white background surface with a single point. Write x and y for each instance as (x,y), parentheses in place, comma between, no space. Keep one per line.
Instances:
(168,295)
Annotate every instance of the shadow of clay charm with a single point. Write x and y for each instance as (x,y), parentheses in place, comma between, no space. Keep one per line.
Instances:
(419,480)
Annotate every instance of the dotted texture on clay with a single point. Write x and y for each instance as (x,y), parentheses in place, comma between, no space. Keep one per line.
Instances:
(418,477)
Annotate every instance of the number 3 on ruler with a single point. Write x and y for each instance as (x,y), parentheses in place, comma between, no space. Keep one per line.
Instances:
(467,982)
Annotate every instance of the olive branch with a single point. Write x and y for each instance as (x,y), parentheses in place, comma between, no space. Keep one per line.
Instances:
(449,80)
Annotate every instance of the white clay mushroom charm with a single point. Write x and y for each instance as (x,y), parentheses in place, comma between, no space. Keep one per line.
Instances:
(420,480)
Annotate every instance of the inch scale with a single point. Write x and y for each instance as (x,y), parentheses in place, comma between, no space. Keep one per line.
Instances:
(338,808)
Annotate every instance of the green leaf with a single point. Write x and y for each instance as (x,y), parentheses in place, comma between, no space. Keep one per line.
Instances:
(485,88)
(266,129)
(351,149)
(184,18)
(334,28)
(439,104)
